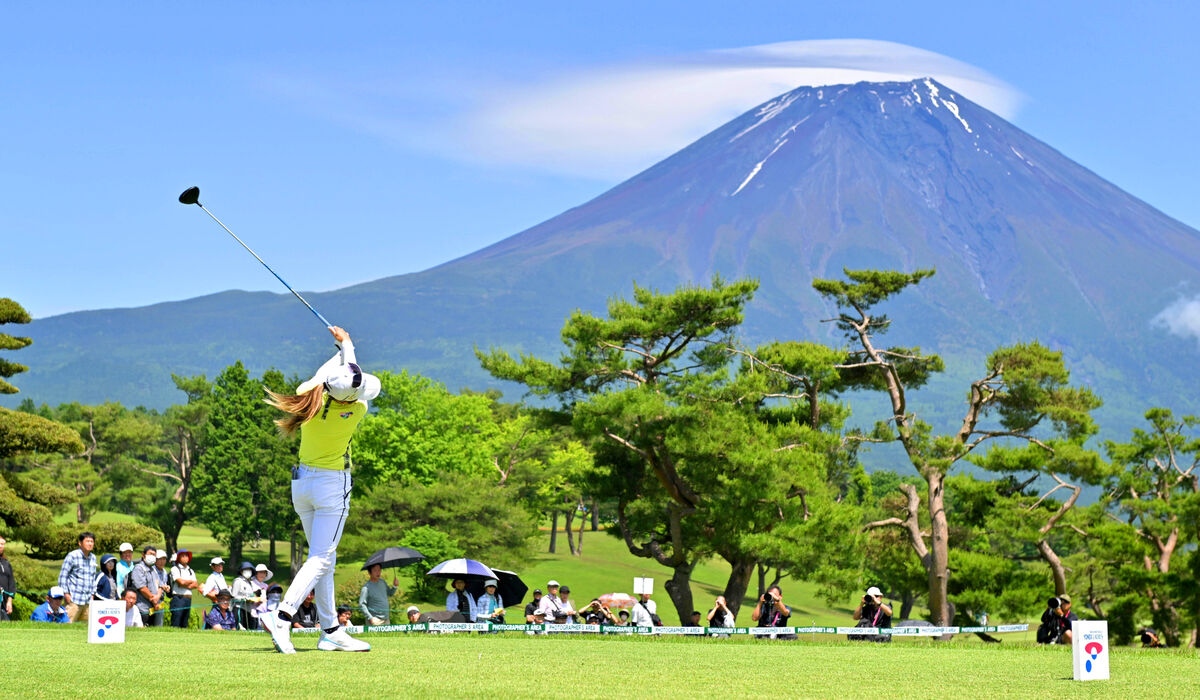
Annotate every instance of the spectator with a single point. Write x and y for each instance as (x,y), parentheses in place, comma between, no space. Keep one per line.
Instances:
(306,615)
(343,614)
(623,618)
(872,612)
(771,611)
(532,607)
(144,580)
(555,609)
(52,610)
(1056,621)
(1150,639)
(490,606)
(720,615)
(106,580)
(259,582)
(125,564)
(564,600)
(270,602)
(77,577)
(696,618)
(373,599)
(597,613)
(164,580)
(8,585)
(215,582)
(645,612)
(247,596)
(133,616)
(221,616)
(183,582)
(459,600)
(413,614)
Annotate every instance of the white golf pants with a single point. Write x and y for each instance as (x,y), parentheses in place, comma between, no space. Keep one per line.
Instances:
(322,500)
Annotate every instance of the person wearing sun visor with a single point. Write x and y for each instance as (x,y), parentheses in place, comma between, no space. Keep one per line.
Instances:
(326,410)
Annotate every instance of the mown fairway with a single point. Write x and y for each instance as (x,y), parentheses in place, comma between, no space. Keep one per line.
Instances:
(54,662)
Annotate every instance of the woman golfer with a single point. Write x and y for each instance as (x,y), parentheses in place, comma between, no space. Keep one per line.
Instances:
(326,409)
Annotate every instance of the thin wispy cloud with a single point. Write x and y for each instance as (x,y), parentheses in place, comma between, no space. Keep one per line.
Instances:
(609,122)
(1181,318)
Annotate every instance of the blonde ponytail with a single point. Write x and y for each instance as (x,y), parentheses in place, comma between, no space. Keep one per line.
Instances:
(300,408)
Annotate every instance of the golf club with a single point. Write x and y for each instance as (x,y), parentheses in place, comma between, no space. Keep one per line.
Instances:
(192,196)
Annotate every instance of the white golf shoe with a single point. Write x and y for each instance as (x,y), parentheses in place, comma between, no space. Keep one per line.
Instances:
(281,631)
(340,641)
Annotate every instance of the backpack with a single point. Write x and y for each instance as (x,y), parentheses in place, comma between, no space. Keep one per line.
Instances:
(653,617)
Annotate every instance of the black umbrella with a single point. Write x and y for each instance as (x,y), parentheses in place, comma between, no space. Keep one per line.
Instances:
(510,587)
(393,557)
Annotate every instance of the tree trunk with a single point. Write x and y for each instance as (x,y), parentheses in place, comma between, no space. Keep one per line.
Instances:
(569,516)
(172,542)
(553,530)
(739,581)
(906,605)
(595,517)
(679,587)
(579,537)
(272,563)
(762,582)
(294,553)
(939,543)
(235,553)
(1056,567)
(80,513)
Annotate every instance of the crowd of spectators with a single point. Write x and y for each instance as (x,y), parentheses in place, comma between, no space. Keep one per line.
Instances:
(148,584)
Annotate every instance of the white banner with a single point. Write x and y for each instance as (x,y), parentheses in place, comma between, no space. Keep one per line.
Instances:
(1089,645)
(106,622)
(678,630)
(458,627)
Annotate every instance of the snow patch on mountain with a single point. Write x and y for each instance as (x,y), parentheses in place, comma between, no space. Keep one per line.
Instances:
(758,167)
(768,112)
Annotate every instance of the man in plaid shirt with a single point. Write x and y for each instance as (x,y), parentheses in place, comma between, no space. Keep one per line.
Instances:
(78,577)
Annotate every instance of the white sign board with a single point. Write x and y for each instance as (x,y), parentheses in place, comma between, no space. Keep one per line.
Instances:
(1089,646)
(106,622)
(643,585)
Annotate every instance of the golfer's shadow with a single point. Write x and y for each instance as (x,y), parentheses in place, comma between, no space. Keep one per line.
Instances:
(269,650)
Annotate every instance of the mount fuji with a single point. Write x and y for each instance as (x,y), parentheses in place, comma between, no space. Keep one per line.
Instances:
(901,175)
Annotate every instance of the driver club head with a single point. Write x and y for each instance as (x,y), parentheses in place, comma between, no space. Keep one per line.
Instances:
(190,196)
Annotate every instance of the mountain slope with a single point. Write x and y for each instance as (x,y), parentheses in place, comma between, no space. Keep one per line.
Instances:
(1027,243)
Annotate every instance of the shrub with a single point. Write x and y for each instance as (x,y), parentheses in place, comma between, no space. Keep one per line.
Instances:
(56,543)
(32,575)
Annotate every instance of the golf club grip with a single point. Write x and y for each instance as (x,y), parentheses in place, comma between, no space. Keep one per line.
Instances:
(264,264)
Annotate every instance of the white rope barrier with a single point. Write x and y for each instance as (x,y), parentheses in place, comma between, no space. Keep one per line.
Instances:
(548,628)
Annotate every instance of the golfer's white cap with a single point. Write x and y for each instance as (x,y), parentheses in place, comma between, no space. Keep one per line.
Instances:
(489,582)
(874,590)
(126,547)
(552,584)
(349,383)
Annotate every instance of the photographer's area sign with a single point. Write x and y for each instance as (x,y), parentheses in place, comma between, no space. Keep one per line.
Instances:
(1089,644)
(106,622)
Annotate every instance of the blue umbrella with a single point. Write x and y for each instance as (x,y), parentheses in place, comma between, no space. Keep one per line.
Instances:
(467,569)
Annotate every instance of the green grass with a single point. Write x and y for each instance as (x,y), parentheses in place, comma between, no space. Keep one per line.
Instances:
(55,662)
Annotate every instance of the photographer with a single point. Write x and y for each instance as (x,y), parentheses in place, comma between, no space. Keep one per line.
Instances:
(771,610)
(872,612)
(597,613)
(1056,621)
(720,615)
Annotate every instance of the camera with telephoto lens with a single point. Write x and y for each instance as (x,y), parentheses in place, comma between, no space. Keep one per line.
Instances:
(768,598)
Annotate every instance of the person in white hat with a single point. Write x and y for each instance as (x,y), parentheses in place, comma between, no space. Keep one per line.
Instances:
(872,609)
(489,604)
(125,564)
(215,583)
(326,410)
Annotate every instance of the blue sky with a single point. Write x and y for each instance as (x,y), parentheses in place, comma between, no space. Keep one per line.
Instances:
(350,141)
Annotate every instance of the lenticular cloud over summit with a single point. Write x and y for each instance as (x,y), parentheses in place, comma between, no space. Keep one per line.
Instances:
(614,121)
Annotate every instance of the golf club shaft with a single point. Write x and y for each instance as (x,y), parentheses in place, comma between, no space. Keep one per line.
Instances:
(264,264)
